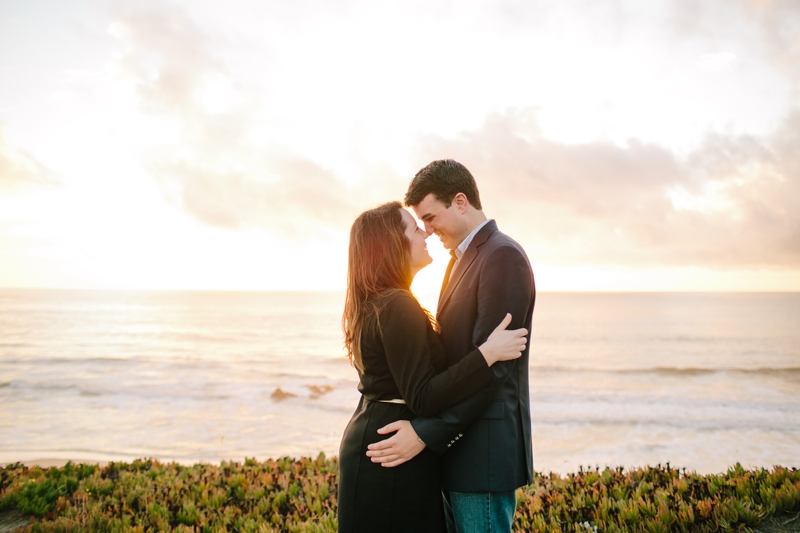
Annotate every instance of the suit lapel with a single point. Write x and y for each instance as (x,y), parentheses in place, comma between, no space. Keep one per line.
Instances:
(466,261)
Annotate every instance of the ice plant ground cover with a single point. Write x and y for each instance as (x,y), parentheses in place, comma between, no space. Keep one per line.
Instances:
(299,495)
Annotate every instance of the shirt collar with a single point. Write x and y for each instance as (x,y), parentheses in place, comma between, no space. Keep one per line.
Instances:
(462,248)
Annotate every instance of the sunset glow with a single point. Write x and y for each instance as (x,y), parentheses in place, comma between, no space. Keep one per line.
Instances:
(189,145)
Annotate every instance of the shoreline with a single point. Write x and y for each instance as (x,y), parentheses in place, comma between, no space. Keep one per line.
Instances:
(45,462)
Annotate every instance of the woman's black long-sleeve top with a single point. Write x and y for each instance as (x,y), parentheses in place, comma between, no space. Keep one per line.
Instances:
(405,359)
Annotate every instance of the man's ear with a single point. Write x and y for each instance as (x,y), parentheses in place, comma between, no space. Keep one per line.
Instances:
(460,199)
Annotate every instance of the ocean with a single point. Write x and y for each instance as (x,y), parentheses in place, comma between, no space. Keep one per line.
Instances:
(699,380)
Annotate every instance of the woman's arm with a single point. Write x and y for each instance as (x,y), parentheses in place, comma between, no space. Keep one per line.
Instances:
(406,334)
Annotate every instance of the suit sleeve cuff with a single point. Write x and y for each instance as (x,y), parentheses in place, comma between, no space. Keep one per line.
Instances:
(477,364)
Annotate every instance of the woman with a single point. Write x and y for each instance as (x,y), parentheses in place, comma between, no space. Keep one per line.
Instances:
(400,361)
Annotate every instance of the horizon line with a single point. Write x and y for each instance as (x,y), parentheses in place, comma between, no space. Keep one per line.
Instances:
(548,291)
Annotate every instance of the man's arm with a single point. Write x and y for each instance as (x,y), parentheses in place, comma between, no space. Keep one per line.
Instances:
(505,286)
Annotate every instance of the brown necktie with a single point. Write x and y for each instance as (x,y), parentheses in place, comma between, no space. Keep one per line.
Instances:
(447,273)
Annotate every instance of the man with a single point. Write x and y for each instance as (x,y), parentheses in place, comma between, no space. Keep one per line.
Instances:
(485,441)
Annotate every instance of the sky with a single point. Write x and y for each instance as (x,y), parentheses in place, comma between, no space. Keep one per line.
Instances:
(203,145)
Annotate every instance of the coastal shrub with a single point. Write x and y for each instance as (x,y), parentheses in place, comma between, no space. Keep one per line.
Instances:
(299,495)
(656,499)
(37,492)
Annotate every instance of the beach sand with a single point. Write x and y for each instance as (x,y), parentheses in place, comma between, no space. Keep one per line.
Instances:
(58,463)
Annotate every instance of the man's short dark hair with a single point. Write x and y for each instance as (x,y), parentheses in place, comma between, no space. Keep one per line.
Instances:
(444,178)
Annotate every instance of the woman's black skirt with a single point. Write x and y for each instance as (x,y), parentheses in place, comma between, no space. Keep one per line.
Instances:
(375,498)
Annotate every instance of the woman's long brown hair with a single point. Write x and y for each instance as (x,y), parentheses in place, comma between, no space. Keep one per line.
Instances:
(379,258)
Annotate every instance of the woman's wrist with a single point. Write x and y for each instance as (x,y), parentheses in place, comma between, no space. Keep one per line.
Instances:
(487,354)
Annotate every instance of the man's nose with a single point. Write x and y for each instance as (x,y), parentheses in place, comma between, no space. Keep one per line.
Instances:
(428,229)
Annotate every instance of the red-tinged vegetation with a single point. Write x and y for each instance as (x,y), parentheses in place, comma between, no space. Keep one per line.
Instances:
(289,495)
(656,499)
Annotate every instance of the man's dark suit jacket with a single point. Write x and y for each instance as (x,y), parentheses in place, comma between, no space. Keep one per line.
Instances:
(485,440)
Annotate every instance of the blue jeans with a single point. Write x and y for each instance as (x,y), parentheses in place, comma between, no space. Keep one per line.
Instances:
(479,512)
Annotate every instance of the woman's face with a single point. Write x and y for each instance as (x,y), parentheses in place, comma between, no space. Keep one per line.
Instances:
(420,257)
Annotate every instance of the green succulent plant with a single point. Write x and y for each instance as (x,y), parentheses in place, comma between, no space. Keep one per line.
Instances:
(299,495)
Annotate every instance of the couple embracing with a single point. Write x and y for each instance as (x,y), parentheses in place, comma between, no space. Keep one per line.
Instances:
(441,437)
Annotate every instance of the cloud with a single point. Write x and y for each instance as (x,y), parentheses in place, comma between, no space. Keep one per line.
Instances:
(717,62)
(780,24)
(731,201)
(770,28)
(291,195)
(734,201)
(214,170)
(19,169)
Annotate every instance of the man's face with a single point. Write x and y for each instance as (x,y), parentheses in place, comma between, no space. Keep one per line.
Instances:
(446,222)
